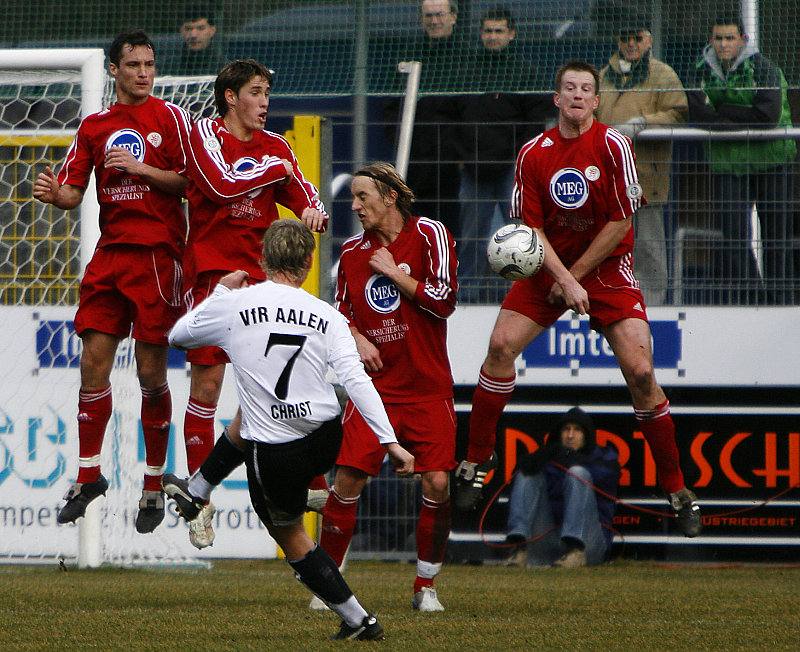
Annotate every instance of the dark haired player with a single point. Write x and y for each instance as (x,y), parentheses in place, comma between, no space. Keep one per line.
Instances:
(239,174)
(137,149)
(576,186)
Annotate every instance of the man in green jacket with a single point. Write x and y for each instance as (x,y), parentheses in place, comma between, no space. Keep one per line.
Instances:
(742,89)
(638,91)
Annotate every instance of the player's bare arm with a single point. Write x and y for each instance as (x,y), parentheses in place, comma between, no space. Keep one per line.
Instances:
(402,461)
(383,262)
(567,290)
(601,247)
(47,189)
(235,280)
(314,219)
(165,180)
(367,351)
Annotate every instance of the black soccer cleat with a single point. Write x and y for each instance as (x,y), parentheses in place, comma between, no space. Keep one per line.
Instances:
(687,512)
(369,630)
(470,477)
(177,488)
(151,511)
(78,497)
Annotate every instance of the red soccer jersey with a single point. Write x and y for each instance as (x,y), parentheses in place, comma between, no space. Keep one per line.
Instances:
(572,187)
(233,190)
(131,210)
(411,336)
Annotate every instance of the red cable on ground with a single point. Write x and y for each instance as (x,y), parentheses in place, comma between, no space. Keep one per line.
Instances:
(607,495)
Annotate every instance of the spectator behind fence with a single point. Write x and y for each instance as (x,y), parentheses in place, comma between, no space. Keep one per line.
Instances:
(432,172)
(563,496)
(741,88)
(201,52)
(493,125)
(639,91)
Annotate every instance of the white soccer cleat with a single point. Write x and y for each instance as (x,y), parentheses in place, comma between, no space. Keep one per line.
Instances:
(201,531)
(317,604)
(426,600)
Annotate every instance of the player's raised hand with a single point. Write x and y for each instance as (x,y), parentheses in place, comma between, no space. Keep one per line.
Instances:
(235,280)
(400,458)
(122,159)
(382,261)
(289,173)
(314,219)
(45,188)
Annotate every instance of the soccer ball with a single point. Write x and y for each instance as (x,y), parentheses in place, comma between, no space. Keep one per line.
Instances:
(515,252)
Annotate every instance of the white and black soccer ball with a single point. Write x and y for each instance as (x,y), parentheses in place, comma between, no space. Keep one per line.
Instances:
(515,252)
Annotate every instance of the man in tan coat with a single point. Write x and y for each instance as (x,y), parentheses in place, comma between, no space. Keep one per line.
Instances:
(639,91)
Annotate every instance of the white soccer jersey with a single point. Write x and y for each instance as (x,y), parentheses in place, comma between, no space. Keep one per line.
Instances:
(280,341)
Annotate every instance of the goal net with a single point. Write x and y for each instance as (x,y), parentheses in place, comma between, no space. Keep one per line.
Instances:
(42,253)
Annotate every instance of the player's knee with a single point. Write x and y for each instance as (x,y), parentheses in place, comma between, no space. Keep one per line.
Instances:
(641,378)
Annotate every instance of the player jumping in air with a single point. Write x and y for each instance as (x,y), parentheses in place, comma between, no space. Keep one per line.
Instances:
(137,149)
(576,186)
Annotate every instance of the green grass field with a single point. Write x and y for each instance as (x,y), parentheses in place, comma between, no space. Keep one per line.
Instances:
(258,605)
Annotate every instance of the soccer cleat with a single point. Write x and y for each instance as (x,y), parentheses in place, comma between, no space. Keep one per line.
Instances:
(575,558)
(470,477)
(177,488)
(315,502)
(78,497)
(201,530)
(369,630)
(317,604)
(426,600)
(687,512)
(151,511)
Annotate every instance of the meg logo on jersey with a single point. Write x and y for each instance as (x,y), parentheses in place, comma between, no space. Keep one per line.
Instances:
(569,188)
(382,294)
(130,140)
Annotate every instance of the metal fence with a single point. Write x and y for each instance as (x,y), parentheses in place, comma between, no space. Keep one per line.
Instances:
(728,238)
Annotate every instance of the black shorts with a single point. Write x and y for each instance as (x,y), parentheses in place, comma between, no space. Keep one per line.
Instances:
(278,475)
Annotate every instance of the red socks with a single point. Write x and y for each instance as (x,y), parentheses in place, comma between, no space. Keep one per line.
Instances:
(433,531)
(198,432)
(659,430)
(338,523)
(94,411)
(490,398)
(156,418)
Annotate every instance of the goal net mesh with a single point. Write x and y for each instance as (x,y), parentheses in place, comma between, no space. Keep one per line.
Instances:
(40,268)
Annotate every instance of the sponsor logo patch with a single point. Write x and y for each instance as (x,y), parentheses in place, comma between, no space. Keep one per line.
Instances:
(569,188)
(382,294)
(130,140)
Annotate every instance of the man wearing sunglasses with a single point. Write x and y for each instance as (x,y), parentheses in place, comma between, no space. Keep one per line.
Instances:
(637,91)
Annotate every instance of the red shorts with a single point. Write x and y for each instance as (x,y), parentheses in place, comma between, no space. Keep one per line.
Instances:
(203,286)
(613,295)
(426,430)
(131,284)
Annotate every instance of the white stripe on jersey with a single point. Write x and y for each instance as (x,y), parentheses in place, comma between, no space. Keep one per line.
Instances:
(441,289)
(626,161)
(516,193)
(626,269)
(181,116)
(206,131)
